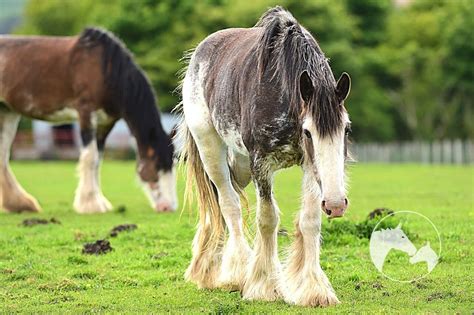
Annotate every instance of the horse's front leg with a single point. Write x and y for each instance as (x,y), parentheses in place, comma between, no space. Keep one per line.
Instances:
(304,282)
(89,197)
(264,270)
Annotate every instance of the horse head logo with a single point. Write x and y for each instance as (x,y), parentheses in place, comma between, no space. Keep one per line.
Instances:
(425,254)
(381,242)
(397,239)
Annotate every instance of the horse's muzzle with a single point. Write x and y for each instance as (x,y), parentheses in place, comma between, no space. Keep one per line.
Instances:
(334,209)
(164,206)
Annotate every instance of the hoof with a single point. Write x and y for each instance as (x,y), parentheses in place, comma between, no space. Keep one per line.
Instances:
(95,203)
(263,284)
(203,273)
(22,204)
(263,290)
(234,266)
(309,290)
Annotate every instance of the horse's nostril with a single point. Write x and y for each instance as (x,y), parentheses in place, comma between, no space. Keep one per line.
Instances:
(328,211)
(323,203)
(345,201)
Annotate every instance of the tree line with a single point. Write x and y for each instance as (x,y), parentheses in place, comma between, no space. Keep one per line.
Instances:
(412,65)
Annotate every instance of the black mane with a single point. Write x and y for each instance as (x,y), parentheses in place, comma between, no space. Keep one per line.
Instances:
(125,80)
(287,50)
(130,92)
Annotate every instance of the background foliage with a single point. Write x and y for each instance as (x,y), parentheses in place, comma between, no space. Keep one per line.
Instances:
(411,66)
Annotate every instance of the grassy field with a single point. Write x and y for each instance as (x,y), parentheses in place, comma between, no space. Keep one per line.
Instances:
(42,268)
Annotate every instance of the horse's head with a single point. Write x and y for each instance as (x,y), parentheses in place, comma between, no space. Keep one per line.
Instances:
(325,124)
(156,170)
(397,239)
(422,254)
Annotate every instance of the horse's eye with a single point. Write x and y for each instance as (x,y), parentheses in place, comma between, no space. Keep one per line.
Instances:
(307,133)
(347,131)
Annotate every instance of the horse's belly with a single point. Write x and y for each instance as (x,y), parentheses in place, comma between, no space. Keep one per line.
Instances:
(64,115)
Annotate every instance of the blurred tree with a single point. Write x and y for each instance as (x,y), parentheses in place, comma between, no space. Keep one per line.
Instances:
(412,67)
(457,65)
(55,17)
(428,53)
(370,17)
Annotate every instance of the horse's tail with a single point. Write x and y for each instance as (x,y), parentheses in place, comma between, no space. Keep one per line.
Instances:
(211,222)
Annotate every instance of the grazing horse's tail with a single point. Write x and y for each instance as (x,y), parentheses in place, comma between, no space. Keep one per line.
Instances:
(211,222)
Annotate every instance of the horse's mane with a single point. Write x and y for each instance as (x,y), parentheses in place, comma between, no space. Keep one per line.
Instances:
(127,84)
(287,49)
(129,89)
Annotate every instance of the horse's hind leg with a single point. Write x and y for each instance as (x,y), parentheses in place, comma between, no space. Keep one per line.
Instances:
(230,272)
(89,197)
(13,197)
(213,265)
(304,282)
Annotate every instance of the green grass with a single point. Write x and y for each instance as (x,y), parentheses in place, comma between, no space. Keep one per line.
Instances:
(42,268)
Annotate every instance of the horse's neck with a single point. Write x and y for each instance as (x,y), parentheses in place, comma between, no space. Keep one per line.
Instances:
(145,127)
(379,249)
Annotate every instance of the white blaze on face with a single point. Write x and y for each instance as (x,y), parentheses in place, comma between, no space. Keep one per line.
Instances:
(162,194)
(329,160)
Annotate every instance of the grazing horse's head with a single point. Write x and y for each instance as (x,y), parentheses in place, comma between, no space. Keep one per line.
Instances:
(157,172)
(397,239)
(325,125)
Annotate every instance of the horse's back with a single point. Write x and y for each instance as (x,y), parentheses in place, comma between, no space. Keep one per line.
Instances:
(41,75)
(226,68)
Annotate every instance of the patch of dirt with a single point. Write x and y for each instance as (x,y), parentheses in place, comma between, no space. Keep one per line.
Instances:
(377,285)
(439,296)
(380,212)
(283,232)
(121,209)
(121,228)
(421,284)
(159,255)
(37,221)
(79,236)
(99,247)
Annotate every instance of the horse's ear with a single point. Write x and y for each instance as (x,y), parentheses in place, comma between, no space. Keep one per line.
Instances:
(399,226)
(306,86)
(343,87)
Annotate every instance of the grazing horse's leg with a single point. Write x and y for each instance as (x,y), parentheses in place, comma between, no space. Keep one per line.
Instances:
(102,134)
(89,197)
(304,282)
(264,270)
(13,197)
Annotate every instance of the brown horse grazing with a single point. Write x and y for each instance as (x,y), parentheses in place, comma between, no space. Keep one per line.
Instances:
(91,78)
(255,101)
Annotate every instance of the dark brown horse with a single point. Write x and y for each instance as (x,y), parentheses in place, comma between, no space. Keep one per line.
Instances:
(254,101)
(91,78)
